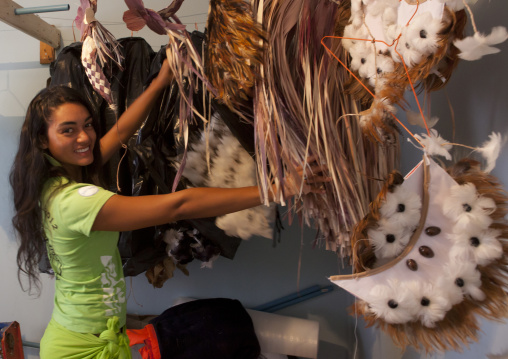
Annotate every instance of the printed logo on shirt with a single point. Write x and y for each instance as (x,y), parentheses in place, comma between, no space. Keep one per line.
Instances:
(54,260)
(50,225)
(112,286)
(88,191)
(50,219)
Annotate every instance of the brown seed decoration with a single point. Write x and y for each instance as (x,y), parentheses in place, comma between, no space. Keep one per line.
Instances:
(411,264)
(432,231)
(426,252)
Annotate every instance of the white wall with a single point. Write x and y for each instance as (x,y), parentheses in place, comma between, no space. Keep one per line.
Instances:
(259,273)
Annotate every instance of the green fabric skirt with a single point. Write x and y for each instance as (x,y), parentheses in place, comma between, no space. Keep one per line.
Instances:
(59,342)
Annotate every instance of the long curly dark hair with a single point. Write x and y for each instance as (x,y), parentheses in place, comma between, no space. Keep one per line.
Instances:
(31,169)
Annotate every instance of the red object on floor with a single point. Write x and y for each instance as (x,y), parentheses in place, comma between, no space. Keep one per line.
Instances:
(148,336)
(12,345)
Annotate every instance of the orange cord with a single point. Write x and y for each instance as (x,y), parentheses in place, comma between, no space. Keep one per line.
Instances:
(414,14)
(395,42)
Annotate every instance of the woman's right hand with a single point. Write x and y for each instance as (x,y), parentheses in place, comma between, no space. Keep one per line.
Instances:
(313,175)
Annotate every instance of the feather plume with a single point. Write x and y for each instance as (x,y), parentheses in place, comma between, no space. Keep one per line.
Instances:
(476,46)
(389,239)
(415,118)
(481,247)
(434,144)
(490,150)
(401,208)
(464,276)
(431,303)
(235,49)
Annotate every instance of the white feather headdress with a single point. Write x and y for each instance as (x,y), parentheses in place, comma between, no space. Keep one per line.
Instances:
(433,289)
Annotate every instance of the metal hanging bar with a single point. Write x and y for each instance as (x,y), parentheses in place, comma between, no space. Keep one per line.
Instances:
(38,9)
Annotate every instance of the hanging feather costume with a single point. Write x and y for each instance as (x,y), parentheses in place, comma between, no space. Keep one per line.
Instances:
(391,43)
(395,45)
(431,255)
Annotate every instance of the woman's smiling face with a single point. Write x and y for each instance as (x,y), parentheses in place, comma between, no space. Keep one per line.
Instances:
(71,137)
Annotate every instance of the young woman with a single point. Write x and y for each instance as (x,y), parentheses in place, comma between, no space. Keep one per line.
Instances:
(61,207)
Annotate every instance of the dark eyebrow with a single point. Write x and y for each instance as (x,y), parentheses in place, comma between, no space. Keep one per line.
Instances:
(67,123)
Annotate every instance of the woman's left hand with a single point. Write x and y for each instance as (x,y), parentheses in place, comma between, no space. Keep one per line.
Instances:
(165,76)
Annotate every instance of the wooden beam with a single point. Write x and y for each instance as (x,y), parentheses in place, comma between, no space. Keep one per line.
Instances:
(30,24)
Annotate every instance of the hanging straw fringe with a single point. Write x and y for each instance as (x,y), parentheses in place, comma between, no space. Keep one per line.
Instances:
(298,100)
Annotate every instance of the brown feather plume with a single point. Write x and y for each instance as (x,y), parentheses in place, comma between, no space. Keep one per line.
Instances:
(234,51)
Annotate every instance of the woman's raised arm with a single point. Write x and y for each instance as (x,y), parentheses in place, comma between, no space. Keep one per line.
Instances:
(135,115)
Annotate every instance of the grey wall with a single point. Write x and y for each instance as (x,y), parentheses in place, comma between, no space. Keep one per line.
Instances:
(259,273)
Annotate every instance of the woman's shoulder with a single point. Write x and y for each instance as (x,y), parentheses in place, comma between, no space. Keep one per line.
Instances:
(61,187)
(53,184)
